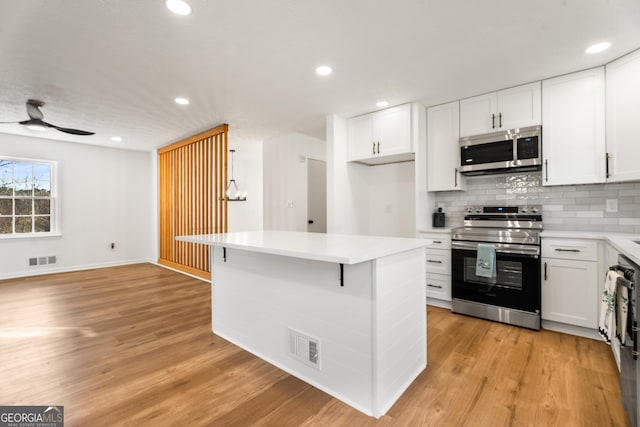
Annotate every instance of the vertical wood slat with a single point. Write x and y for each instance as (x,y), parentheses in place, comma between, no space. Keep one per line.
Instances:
(193,177)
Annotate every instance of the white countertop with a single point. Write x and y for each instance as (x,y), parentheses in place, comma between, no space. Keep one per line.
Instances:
(337,248)
(444,230)
(623,242)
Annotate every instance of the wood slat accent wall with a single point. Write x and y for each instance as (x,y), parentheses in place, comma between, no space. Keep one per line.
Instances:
(193,177)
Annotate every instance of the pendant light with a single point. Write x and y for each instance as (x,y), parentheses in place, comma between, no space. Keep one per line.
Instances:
(233,194)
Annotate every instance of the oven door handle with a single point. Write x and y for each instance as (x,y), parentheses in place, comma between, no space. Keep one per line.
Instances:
(500,248)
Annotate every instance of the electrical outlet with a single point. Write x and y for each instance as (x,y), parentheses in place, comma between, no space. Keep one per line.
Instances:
(612,205)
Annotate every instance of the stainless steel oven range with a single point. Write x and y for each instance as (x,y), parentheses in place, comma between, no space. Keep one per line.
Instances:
(510,235)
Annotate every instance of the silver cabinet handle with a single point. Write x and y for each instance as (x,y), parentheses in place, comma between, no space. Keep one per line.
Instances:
(373,151)
(434,261)
(378,147)
(607,165)
(545,271)
(500,120)
(567,250)
(493,121)
(437,241)
(455,177)
(434,286)
(546,170)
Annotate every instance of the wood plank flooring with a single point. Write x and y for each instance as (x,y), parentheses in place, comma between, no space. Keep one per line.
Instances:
(132,345)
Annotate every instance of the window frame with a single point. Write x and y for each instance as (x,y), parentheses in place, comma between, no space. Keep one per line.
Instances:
(54,216)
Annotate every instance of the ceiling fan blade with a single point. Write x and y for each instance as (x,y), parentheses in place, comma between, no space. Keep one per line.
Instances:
(71,131)
(33,109)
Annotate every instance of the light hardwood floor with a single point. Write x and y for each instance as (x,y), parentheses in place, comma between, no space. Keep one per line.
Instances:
(132,345)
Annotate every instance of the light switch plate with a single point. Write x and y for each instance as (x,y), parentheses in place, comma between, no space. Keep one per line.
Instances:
(612,205)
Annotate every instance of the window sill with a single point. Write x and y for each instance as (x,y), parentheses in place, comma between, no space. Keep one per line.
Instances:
(29,236)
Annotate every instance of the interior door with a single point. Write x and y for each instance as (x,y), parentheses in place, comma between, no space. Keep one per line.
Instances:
(316,196)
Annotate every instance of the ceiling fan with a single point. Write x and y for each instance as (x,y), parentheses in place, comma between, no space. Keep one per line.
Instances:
(35,121)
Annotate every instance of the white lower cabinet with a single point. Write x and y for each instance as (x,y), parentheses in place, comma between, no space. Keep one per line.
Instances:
(570,281)
(438,267)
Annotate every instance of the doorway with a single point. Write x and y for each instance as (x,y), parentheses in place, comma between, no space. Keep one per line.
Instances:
(316,196)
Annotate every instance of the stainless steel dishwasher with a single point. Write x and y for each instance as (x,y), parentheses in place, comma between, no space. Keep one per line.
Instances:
(629,369)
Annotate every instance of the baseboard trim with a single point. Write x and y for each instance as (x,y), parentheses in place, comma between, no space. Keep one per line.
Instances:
(181,272)
(56,270)
(571,329)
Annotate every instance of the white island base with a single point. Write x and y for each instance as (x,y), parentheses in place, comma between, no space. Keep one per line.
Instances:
(360,338)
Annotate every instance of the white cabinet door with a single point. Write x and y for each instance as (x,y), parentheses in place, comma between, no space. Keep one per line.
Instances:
(515,107)
(383,134)
(361,143)
(573,121)
(623,123)
(392,129)
(569,292)
(439,286)
(443,150)
(477,114)
(519,106)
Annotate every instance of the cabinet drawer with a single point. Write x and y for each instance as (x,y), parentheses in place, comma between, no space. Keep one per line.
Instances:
(578,249)
(439,286)
(440,240)
(438,261)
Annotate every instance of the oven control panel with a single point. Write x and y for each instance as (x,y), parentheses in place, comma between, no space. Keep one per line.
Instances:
(504,210)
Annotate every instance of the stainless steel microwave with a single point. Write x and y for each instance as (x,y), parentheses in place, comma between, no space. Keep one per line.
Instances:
(500,152)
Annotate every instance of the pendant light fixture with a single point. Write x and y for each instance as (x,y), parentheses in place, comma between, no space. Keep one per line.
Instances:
(233,194)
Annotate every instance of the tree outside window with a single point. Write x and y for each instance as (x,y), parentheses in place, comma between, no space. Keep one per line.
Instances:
(26,200)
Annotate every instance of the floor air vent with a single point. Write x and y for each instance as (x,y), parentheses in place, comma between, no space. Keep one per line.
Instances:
(304,348)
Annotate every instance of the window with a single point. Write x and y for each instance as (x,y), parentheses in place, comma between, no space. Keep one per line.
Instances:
(26,197)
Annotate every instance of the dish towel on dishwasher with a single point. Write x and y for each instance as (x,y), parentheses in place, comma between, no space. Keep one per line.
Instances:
(607,325)
(486,261)
(622,309)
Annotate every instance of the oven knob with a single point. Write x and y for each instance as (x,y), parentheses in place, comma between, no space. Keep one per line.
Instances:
(535,210)
(478,210)
(469,210)
(523,210)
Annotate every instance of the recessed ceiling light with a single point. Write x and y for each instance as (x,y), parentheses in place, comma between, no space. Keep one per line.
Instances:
(598,47)
(182,101)
(323,70)
(382,104)
(179,7)
(116,139)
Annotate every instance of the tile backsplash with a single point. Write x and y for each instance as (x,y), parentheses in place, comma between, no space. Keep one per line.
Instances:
(565,207)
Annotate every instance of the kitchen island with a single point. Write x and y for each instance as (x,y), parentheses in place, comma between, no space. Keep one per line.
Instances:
(345,314)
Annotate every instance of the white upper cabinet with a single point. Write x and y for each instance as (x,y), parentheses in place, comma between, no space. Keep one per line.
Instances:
(573,143)
(443,150)
(381,137)
(515,107)
(622,118)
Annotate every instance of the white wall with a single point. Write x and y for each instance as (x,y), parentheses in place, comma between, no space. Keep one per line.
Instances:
(362,199)
(247,215)
(285,180)
(105,195)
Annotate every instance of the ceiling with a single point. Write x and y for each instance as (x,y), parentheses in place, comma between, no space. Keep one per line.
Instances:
(115,66)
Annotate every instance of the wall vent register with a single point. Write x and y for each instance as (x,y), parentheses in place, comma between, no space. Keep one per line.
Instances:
(304,348)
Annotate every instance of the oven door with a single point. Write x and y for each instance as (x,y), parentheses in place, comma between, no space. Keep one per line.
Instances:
(517,282)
